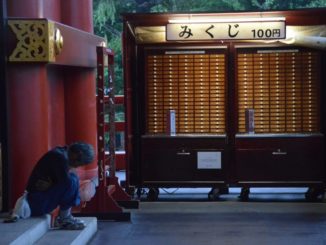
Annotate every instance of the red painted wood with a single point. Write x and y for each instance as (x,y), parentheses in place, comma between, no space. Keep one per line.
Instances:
(78,14)
(36,102)
(80,85)
(80,106)
(119,99)
(34,9)
(79,47)
(120,159)
(119,126)
(28,100)
(109,190)
(56,106)
(52,105)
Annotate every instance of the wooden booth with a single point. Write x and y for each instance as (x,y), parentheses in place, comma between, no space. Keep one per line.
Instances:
(225,99)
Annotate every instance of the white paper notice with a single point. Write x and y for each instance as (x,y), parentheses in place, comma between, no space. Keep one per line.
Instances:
(209,160)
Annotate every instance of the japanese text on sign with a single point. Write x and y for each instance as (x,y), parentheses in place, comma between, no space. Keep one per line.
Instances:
(226,31)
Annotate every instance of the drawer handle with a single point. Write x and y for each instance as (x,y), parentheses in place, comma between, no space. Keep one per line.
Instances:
(279,152)
(183,153)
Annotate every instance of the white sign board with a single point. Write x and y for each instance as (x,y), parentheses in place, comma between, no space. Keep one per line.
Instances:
(170,124)
(263,30)
(209,160)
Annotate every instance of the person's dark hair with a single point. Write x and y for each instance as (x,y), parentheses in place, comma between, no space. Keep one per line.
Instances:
(81,152)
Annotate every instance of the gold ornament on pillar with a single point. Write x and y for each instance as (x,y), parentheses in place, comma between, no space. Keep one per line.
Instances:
(58,41)
(37,40)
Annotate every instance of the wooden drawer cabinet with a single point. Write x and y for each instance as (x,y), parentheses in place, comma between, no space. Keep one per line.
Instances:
(173,161)
(281,159)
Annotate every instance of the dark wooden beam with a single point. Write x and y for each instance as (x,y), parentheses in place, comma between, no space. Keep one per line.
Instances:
(3,108)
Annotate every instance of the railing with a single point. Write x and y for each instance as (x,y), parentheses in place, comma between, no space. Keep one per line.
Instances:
(120,154)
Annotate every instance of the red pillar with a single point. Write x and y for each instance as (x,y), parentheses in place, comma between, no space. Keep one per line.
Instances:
(56,106)
(80,85)
(28,127)
(78,13)
(80,104)
(28,103)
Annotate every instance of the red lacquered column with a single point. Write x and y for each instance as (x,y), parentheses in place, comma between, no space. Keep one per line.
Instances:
(80,104)
(78,13)
(28,102)
(80,85)
(56,106)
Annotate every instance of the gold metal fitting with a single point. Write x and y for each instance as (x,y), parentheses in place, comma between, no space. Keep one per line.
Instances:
(58,41)
(37,40)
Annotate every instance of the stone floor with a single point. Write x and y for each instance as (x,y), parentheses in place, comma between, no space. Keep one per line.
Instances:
(185,217)
(271,216)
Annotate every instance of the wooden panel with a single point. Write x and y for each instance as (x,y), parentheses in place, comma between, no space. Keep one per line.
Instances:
(191,84)
(283,90)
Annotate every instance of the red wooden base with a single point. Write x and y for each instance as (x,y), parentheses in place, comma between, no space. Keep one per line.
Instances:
(105,205)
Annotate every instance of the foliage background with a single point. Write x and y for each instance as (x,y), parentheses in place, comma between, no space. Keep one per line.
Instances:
(108,23)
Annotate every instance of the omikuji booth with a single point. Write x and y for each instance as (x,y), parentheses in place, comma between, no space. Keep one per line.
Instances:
(225,100)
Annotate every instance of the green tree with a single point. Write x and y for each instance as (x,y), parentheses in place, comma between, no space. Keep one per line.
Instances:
(317,4)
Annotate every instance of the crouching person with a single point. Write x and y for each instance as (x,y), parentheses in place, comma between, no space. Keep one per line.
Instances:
(54,183)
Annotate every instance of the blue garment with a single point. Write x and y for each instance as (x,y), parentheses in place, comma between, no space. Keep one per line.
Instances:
(64,189)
